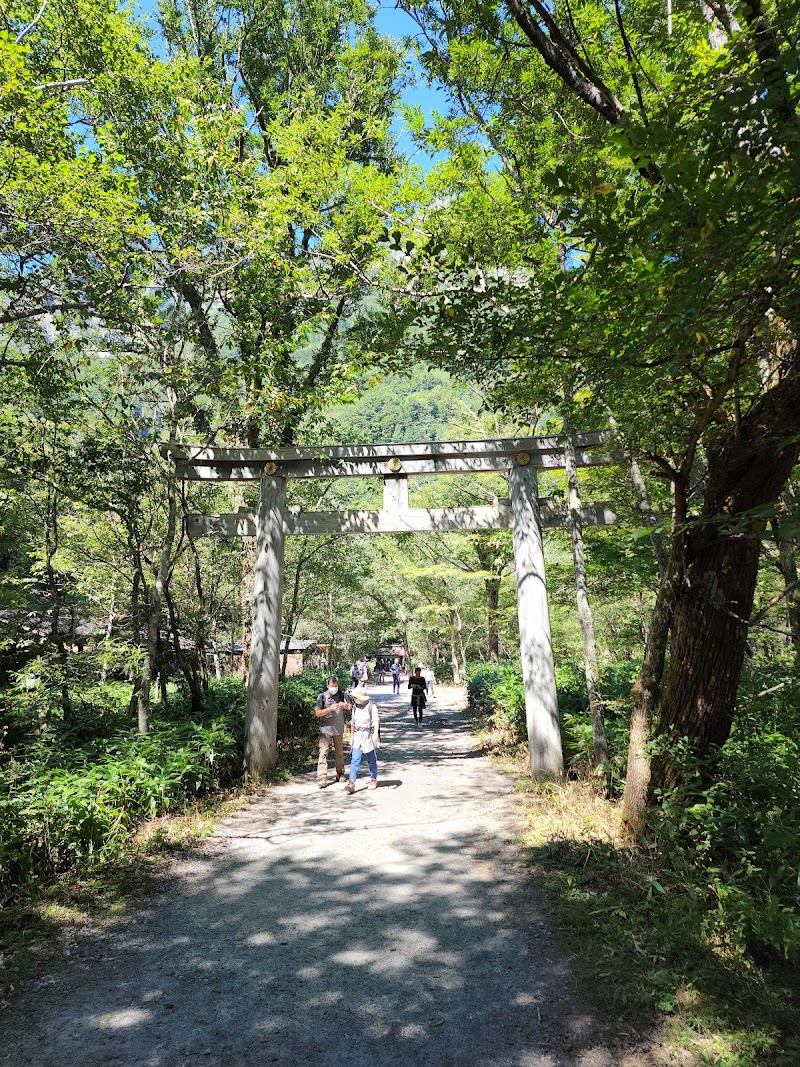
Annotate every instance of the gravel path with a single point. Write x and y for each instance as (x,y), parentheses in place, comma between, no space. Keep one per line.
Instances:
(394,926)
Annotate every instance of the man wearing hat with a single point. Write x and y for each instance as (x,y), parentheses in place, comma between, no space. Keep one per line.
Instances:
(330,716)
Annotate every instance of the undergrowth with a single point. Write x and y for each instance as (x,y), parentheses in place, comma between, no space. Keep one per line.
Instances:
(88,806)
(692,933)
(73,791)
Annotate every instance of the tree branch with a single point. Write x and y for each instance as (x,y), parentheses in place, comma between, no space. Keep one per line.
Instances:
(564,61)
(30,25)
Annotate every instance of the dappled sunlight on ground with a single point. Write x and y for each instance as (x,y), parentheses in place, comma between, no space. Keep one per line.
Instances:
(394,926)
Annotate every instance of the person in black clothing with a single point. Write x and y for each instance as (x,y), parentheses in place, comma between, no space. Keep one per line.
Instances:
(417,685)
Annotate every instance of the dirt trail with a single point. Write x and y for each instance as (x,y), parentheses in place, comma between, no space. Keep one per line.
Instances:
(394,926)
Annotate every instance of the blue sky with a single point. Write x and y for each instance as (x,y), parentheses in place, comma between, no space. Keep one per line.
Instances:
(396,23)
(393,22)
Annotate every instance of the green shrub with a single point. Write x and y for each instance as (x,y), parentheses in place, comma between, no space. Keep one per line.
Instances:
(741,834)
(496,690)
(60,807)
(72,792)
(297,698)
(444,673)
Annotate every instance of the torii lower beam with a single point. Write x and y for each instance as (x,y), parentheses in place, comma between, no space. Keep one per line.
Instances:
(299,523)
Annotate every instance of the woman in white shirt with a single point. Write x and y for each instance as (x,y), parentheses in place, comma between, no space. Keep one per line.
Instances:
(364,738)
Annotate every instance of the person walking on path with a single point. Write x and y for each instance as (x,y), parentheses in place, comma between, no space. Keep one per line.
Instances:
(365,725)
(417,685)
(430,680)
(330,716)
(395,668)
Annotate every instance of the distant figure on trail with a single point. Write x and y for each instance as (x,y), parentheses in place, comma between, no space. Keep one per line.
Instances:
(417,685)
(365,727)
(355,674)
(396,672)
(430,680)
(380,670)
(363,671)
(330,710)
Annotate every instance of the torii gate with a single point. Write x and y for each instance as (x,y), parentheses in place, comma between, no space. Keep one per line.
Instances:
(524,513)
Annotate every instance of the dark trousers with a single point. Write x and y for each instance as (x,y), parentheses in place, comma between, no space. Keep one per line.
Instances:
(417,704)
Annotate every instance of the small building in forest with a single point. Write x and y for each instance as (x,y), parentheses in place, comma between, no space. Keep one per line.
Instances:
(300,655)
(390,652)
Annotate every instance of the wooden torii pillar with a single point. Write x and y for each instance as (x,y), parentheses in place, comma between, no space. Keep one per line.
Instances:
(524,513)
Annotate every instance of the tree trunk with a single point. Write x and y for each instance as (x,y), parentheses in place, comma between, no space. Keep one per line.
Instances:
(656,540)
(217,660)
(188,663)
(156,593)
(203,626)
(453,653)
(134,697)
(645,697)
(709,632)
(138,587)
(599,743)
(109,630)
(493,563)
(747,469)
(461,647)
(51,547)
(289,624)
(162,671)
(162,682)
(787,565)
(150,658)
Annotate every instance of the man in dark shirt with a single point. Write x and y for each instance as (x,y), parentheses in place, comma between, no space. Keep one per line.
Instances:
(330,715)
(417,685)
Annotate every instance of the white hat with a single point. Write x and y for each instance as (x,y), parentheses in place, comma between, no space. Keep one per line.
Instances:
(360,693)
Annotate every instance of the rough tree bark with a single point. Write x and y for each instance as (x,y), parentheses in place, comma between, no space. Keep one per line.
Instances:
(747,468)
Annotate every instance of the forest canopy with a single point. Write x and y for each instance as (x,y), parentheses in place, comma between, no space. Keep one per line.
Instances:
(211,235)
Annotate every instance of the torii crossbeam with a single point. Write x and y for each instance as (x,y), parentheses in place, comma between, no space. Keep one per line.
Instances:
(524,513)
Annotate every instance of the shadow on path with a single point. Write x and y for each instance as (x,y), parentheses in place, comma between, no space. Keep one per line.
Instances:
(394,926)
